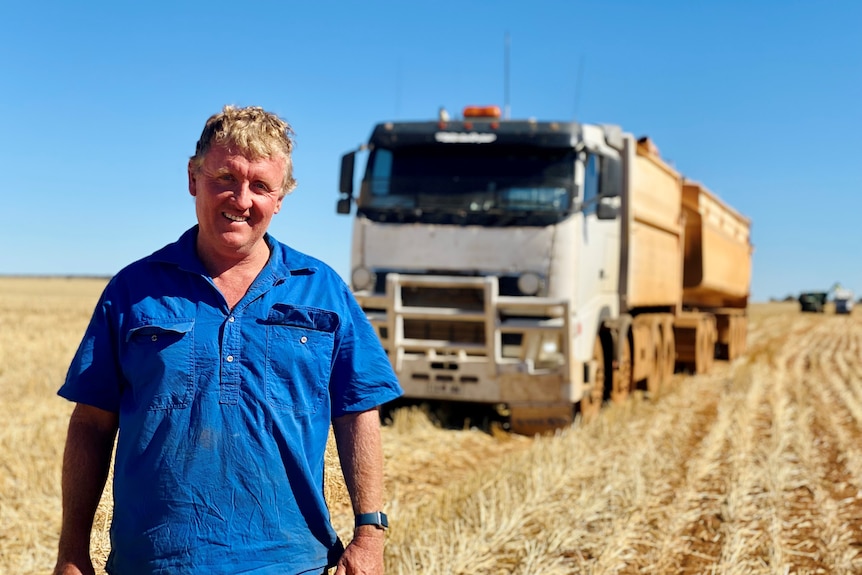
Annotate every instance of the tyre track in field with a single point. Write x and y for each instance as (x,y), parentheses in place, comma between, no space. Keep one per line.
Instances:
(752,469)
(676,429)
(836,446)
(796,522)
(693,539)
(719,490)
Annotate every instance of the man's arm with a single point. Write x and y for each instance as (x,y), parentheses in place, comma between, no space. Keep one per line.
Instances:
(360,451)
(86,462)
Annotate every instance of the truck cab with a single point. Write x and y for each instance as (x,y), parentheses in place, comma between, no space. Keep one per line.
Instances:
(468,244)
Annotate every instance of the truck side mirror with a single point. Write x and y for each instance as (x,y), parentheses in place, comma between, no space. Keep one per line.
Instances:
(343,206)
(346,184)
(608,208)
(612,177)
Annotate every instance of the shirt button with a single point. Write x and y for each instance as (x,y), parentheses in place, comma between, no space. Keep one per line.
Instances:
(154,338)
(231,319)
(229,358)
(303,339)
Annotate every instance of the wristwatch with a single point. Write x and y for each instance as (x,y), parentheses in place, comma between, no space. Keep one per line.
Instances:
(376,518)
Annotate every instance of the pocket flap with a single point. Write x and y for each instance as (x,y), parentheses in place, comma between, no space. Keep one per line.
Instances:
(157,326)
(306,317)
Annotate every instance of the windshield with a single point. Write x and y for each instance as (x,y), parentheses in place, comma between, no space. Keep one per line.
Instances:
(491,185)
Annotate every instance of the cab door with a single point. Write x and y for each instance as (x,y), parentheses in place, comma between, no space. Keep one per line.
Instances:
(599,266)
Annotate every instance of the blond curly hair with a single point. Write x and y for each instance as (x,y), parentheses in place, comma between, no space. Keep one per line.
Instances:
(254,132)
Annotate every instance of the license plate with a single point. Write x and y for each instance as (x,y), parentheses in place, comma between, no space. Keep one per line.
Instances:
(444,388)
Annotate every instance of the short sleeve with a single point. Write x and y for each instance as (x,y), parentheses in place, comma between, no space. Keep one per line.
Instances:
(94,376)
(362,375)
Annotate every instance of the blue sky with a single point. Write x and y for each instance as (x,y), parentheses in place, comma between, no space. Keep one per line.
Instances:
(760,101)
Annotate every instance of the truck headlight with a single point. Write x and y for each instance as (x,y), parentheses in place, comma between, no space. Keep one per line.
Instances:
(550,353)
(362,279)
(530,283)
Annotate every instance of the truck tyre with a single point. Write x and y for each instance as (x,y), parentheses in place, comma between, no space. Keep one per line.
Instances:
(701,338)
(655,382)
(591,402)
(622,373)
(668,344)
(705,345)
(664,362)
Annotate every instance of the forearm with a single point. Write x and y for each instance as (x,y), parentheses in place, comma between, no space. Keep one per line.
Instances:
(360,451)
(86,462)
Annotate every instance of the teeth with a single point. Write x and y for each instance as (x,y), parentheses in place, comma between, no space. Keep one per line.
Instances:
(234,218)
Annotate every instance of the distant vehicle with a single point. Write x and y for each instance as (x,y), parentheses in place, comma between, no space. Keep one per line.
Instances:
(813,301)
(843,299)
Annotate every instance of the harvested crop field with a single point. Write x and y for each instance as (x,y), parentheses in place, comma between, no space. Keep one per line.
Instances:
(754,468)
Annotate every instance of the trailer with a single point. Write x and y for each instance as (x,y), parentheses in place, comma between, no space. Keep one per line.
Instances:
(543,268)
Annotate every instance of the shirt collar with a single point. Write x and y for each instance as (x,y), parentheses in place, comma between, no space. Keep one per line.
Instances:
(283,260)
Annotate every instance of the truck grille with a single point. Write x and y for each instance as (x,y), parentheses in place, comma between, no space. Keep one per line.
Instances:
(452,317)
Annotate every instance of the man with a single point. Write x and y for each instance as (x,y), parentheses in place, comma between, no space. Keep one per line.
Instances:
(219,363)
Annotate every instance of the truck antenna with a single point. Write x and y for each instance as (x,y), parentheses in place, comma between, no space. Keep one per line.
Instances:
(578,83)
(398,89)
(506,44)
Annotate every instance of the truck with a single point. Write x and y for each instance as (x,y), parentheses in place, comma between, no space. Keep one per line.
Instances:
(541,268)
(813,301)
(843,299)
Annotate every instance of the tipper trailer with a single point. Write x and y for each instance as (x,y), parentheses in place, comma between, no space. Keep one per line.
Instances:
(540,267)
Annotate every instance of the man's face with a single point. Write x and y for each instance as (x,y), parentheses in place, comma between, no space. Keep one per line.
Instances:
(235,199)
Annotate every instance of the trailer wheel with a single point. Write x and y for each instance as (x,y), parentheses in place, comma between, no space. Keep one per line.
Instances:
(712,336)
(734,345)
(665,360)
(655,381)
(706,335)
(622,375)
(700,349)
(668,344)
(591,402)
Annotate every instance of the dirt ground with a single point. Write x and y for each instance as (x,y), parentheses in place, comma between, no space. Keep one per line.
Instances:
(753,468)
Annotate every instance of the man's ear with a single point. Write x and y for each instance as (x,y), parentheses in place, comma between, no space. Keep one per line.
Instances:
(192,186)
(278,204)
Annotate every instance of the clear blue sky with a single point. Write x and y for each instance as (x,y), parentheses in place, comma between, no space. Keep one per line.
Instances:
(759,100)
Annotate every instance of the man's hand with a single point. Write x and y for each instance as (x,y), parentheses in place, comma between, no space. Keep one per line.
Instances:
(364,555)
(83,567)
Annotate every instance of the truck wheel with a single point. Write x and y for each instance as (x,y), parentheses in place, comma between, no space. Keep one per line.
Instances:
(622,375)
(669,355)
(591,402)
(709,335)
(665,362)
(700,360)
(654,381)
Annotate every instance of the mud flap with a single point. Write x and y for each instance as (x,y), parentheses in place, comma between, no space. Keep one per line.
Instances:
(540,419)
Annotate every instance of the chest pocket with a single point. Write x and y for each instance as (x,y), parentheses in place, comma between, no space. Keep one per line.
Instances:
(158,363)
(299,348)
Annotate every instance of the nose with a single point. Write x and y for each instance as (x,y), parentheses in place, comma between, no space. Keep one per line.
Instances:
(242,196)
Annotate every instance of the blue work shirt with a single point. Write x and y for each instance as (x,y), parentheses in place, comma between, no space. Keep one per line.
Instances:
(224,414)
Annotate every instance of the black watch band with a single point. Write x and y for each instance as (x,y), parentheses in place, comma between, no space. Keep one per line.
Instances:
(376,518)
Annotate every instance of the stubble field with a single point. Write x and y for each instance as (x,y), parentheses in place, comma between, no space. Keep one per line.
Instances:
(754,468)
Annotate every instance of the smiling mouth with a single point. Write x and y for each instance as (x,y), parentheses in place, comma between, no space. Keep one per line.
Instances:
(234,218)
